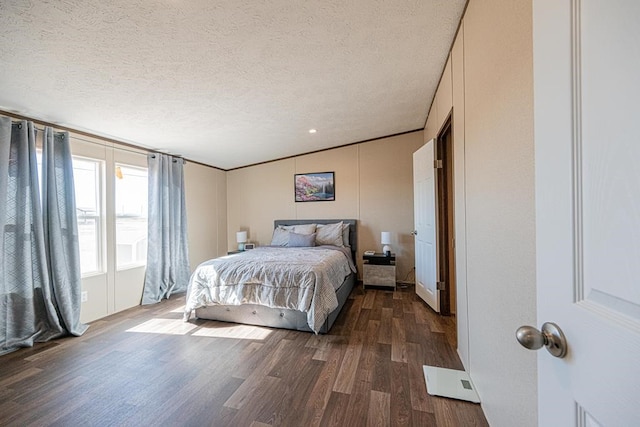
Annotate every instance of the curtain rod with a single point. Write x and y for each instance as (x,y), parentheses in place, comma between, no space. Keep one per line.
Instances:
(77,135)
(148,152)
(142,151)
(124,148)
(121,145)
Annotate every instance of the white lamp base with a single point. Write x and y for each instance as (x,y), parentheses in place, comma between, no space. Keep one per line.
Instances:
(241,246)
(386,250)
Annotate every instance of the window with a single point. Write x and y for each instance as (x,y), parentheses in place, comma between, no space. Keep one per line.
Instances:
(131,216)
(87,182)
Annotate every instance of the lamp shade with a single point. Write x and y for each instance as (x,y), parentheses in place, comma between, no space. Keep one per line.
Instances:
(241,236)
(385,238)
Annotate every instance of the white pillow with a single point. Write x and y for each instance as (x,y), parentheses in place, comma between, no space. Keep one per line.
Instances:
(330,234)
(304,228)
(345,235)
(281,233)
(280,237)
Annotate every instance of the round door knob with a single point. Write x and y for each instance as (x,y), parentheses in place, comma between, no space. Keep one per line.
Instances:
(550,336)
(414,233)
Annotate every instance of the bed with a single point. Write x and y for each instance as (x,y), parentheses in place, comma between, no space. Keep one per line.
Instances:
(300,288)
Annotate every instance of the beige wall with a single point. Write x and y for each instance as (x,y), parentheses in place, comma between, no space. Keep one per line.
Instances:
(386,197)
(206,200)
(500,205)
(492,87)
(374,185)
(459,199)
(256,196)
(344,162)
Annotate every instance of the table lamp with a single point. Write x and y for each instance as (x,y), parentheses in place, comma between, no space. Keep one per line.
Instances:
(241,238)
(385,239)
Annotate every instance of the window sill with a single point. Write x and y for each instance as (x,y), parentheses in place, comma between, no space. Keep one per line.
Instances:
(92,274)
(130,267)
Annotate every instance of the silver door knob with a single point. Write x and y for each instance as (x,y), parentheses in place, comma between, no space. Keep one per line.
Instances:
(551,337)
(414,233)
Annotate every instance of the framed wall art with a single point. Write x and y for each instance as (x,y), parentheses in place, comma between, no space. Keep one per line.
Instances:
(315,187)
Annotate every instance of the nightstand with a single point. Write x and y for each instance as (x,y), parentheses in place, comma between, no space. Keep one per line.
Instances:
(234,252)
(379,270)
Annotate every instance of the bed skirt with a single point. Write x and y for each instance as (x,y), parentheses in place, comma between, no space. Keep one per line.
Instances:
(253,314)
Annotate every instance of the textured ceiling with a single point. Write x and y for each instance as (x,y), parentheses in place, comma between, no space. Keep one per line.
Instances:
(226,83)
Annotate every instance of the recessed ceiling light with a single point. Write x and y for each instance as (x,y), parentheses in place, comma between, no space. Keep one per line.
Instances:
(312,131)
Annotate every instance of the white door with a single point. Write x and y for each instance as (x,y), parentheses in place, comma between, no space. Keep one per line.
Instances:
(424,206)
(587,147)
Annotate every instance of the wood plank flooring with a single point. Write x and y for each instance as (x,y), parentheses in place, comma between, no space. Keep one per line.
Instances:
(146,367)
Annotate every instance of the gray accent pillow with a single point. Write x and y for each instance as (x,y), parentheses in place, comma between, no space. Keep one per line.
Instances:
(301,240)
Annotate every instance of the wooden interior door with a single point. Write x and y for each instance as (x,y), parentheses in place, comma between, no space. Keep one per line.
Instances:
(587,127)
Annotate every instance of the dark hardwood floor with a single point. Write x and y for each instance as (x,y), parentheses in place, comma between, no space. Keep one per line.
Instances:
(146,367)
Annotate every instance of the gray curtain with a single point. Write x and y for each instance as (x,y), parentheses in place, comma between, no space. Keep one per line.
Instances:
(168,268)
(61,229)
(27,312)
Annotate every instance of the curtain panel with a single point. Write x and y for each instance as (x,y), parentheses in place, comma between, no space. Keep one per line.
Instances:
(168,267)
(34,303)
(27,311)
(61,229)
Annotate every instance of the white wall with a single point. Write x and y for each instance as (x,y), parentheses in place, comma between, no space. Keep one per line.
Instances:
(491,87)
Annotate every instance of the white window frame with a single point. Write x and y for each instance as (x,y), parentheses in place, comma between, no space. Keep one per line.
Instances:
(100,215)
(130,265)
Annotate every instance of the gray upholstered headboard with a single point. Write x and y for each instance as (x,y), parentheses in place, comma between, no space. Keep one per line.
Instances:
(353,228)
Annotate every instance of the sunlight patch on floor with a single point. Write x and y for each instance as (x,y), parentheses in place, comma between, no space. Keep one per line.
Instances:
(178,310)
(226,330)
(164,326)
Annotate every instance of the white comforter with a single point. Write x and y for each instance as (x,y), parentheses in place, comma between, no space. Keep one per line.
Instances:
(302,279)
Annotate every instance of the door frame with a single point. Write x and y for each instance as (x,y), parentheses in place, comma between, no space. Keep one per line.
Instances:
(445,216)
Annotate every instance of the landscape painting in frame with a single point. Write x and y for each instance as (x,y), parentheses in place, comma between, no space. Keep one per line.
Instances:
(315,187)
